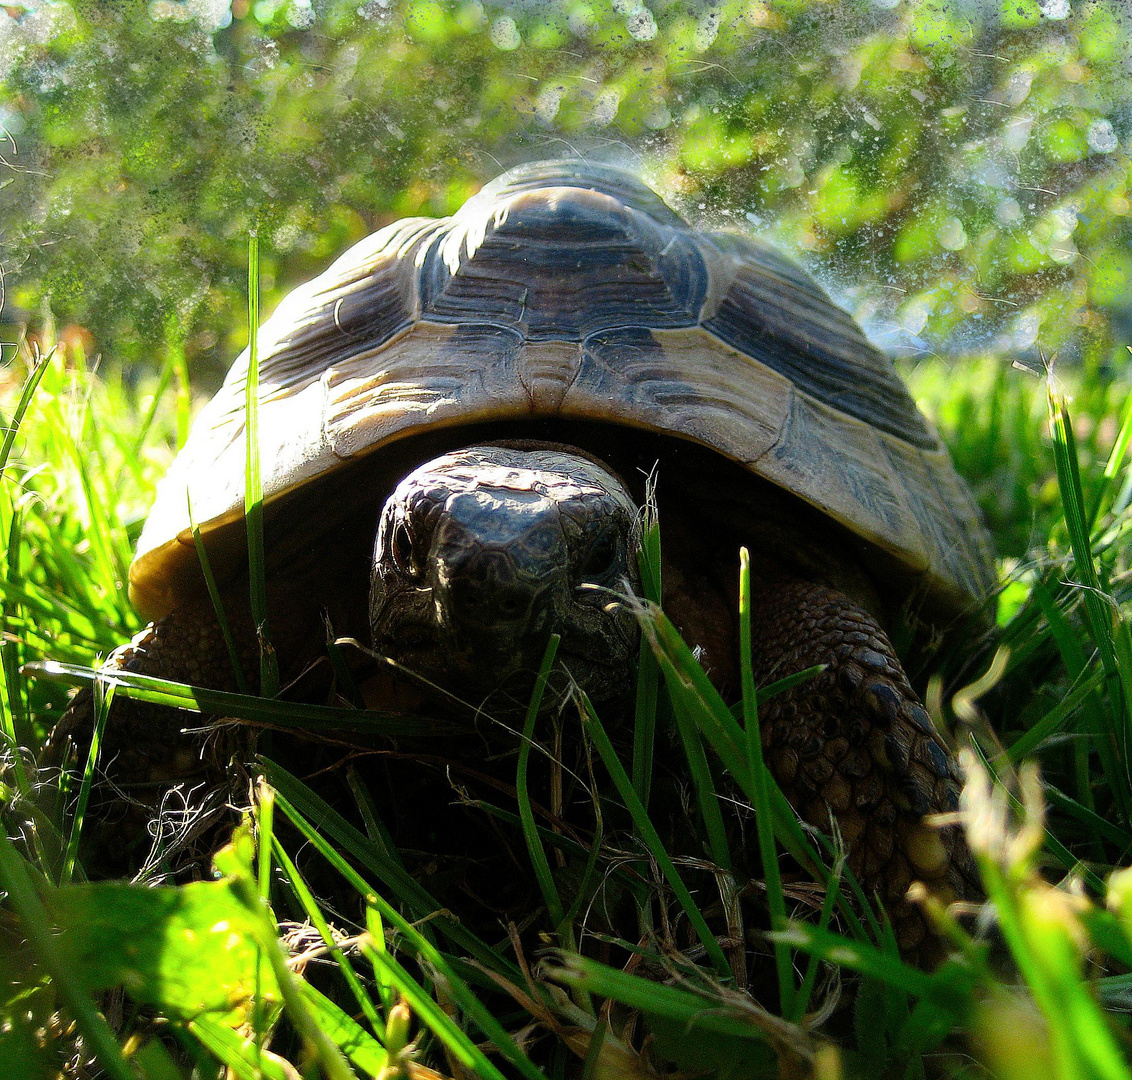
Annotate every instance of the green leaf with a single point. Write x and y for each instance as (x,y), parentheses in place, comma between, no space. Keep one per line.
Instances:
(187,950)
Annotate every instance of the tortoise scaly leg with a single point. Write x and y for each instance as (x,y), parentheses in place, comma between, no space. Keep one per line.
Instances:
(854,743)
(149,767)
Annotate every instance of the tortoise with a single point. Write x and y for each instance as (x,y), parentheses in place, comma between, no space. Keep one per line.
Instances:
(458,420)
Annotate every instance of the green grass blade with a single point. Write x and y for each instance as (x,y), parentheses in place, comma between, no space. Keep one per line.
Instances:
(1097,824)
(723,732)
(12,715)
(376,831)
(703,784)
(1055,719)
(809,978)
(314,913)
(1113,743)
(245,1060)
(27,392)
(727,738)
(345,1032)
(526,814)
(871,961)
(214,596)
(103,697)
(410,892)
(651,838)
(344,684)
(141,437)
(648,672)
(253,487)
(235,862)
(286,714)
(301,806)
(455,1041)
(1114,464)
(760,782)
(695,1009)
(265,834)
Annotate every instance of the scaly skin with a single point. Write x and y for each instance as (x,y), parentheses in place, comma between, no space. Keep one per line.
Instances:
(854,747)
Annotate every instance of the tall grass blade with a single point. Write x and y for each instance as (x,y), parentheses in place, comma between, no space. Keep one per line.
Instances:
(27,392)
(235,861)
(702,781)
(1113,465)
(103,697)
(314,913)
(455,1041)
(300,805)
(12,715)
(526,815)
(648,673)
(253,487)
(241,1056)
(415,938)
(173,367)
(1113,743)
(651,838)
(760,779)
(214,596)
(286,714)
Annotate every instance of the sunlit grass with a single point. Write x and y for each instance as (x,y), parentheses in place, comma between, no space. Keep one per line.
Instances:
(415,988)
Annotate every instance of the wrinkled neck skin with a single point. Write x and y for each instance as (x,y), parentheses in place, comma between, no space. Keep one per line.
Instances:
(482,554)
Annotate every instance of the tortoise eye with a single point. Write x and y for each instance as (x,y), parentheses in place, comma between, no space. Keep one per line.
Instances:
(600,559)
(401,548)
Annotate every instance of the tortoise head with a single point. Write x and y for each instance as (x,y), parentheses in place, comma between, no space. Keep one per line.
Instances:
(483,553)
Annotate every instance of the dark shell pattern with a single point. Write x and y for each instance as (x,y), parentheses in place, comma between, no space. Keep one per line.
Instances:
(572,291)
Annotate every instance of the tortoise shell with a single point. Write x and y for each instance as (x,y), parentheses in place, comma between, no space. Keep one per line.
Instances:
(571,291)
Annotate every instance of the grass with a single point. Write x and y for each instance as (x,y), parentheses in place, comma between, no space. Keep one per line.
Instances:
(317,952)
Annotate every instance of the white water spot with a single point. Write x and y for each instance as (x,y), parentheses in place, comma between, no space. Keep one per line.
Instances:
(212,15)
(1018,88)
(641,25)
(1025,330)
(300,14)
(658,117)
(547,102)
(1008,212)
(606,104)
(913,315)
(375,10)
(1101,137)
(952,235)
(505,34)
(1017,132)
(1055,9)
(1065,221)
(706,28)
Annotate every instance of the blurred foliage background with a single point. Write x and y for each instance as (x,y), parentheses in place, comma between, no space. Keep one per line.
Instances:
(956,171)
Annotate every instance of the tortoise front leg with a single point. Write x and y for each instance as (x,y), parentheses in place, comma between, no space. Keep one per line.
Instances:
(157,786)
(854,745)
